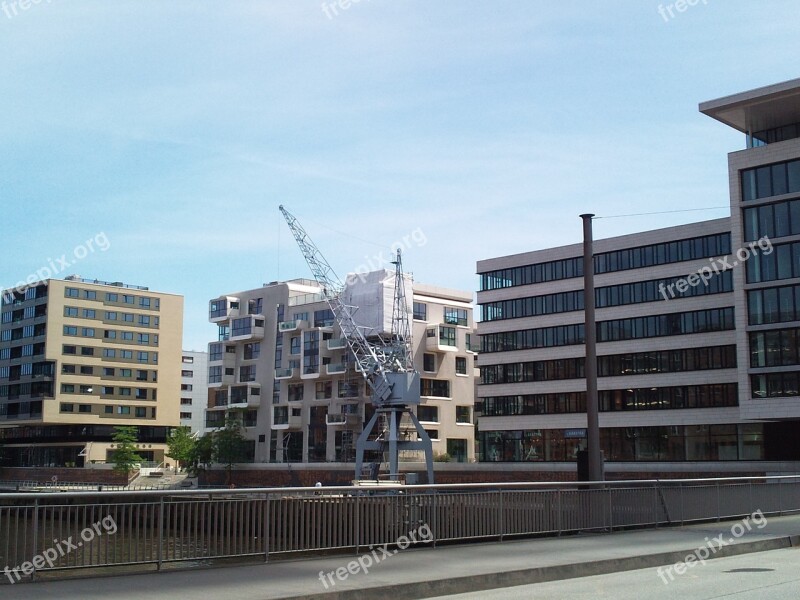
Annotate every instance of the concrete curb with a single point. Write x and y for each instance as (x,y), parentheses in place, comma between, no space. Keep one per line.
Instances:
(489,581)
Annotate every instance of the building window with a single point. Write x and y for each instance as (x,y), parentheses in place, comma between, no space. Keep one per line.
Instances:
(324,390)
(294,345)
(108,371)
(186,401)
(90,294)
(68,369)
(112,297)
(349,388)
(455,316)
(144,302)
(773,305)
(69,311)
(128,299)
(71,292)
(66,407)
(143,357)
(109,334)
(87,370)
(420,311)
(111,316)
(461,365)
(771,180)
(109,410)
(109,353)
(295,392)
(124,391)
(428,362)
(186,415)
(70,330)
(215,375)
(463,414)
(126,354)
(185,373)
(84,408)
(247,373)
(127,317)
(429,414)
(123,410)
(89,313)
(87,351)
(252,351)
(447,335)
(215,352)
(435,387)
(87,332)
(107,390)
(67,388)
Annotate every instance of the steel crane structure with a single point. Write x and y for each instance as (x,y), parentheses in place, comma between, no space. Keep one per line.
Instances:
(385,361)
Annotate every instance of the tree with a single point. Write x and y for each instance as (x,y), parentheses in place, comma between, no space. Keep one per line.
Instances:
(229,444)
(181,444)
(125,456)
(201,455)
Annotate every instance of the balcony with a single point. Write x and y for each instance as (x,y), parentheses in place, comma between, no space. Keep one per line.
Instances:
(292,422)
(435,342)
(246,396)
(337,344)
(285,373)
(223,309)
(336,369)
(348,417)
(292,325)
(250,327)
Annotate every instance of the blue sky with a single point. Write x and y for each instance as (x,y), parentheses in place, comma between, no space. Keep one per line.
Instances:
(176,128)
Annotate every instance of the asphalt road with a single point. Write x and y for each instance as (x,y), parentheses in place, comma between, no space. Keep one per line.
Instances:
(774,575)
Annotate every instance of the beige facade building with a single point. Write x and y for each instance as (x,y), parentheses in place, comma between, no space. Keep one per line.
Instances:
(79,357)
(280,362)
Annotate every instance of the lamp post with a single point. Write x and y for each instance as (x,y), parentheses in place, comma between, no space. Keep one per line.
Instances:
(595,460)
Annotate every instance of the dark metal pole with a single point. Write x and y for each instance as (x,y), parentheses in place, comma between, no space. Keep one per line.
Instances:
(590,368)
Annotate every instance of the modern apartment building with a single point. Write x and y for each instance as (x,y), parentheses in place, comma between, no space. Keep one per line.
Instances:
(280,362)
(698,326)
(194,390)
(79,357)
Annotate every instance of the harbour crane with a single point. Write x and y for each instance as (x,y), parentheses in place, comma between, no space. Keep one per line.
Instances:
(384,361)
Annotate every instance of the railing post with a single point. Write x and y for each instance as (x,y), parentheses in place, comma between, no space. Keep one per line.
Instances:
(559,509)
(610,510)
(358,522)
(434,514)
(719,517)
(780,497)
(681,488)
(35,535)
(160,532)
(266,528)
(655,505)
(502,516)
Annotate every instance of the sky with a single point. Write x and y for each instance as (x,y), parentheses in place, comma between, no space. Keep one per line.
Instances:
(152,142)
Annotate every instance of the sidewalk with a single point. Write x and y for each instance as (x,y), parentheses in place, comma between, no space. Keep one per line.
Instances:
(428,572)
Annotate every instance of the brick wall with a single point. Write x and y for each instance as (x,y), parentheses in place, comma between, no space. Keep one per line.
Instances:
(65,475)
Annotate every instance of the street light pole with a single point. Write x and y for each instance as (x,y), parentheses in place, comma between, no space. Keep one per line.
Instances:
(595,461)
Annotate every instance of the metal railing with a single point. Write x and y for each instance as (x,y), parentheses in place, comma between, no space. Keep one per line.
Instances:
(198,526)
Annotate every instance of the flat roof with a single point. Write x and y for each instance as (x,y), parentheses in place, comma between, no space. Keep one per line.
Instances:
(762,108)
